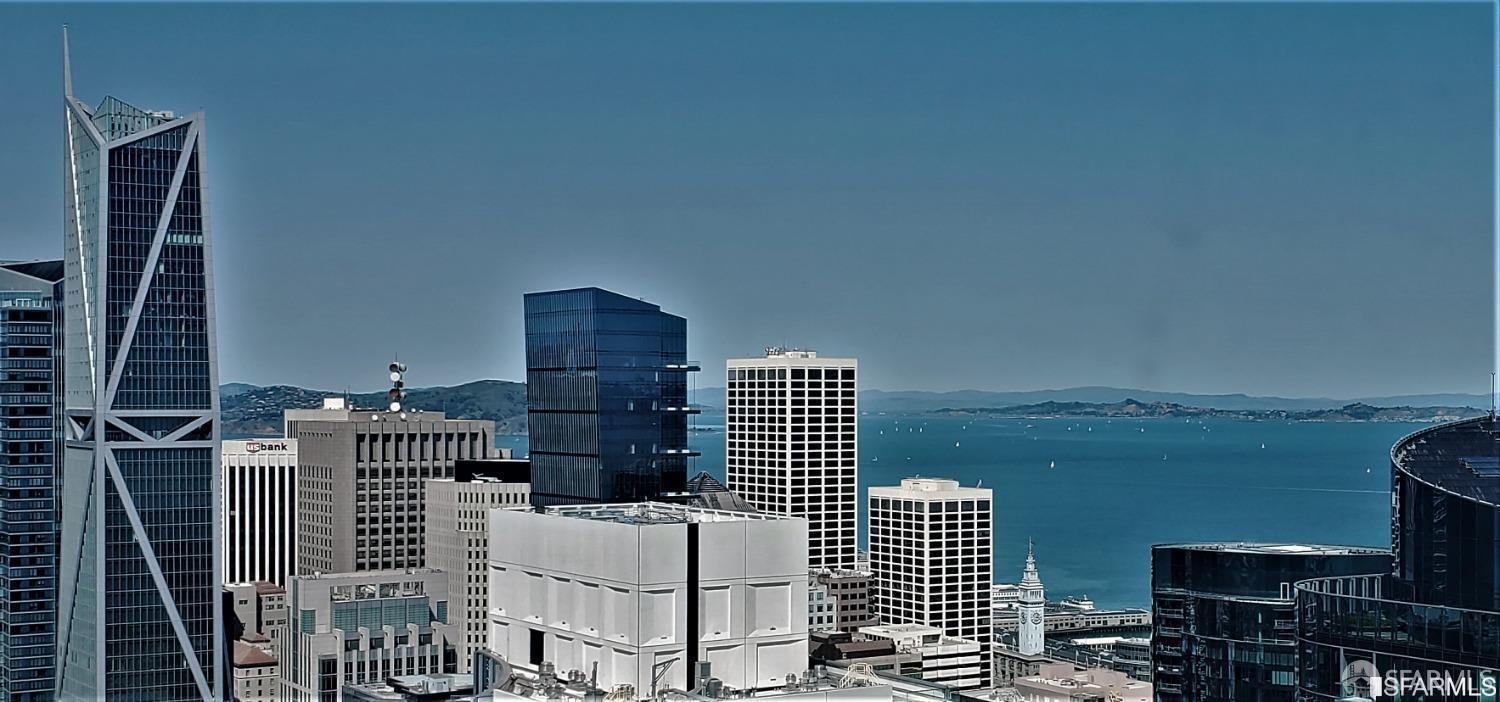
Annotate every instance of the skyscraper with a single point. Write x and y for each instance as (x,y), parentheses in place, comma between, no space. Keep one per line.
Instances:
(791,444)
(139,606)
(606,395)
(30,322)
(259,510)
(930,553)
(360,499)
(1223,617)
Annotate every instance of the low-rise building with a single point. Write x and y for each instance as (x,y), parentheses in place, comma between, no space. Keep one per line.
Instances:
(256,675)
(1063,682)
(640,594)
(849,592)
(351,628)
(942,659)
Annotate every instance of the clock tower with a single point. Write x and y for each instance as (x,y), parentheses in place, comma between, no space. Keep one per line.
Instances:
(1031,605)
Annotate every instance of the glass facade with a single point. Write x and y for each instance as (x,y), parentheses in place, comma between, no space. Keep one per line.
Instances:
(29,372)
(606,391)
(1223,615)
(139,605)
(1438,612)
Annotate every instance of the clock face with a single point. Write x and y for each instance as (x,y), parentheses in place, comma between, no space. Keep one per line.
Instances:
(1036,617)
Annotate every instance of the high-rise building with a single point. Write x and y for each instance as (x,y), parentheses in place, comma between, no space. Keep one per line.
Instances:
(1223,618)
(351,628)
(791,444)
(458,539)
(1031,606)
(606,394)
(30,326)
(648,591)
(359,481)
(259,506)
(930,554)
(139,606)
(1436,614)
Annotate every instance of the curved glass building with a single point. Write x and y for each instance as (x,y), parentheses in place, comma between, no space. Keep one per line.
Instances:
(1223,616)
(1436,617)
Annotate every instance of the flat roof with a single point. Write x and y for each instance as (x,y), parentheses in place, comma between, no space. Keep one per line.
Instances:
(652,513)
(1275,548)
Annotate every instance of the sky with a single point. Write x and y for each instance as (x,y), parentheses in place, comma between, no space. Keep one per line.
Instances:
(1288,199)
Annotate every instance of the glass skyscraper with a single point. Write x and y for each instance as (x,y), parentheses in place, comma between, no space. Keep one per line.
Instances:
(29,305)
(139,611)
(606,392)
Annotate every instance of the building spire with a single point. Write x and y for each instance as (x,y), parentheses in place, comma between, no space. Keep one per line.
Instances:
(67,66)
(1029,576)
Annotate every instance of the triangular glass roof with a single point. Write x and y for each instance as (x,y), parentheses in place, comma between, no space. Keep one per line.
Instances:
(117,119)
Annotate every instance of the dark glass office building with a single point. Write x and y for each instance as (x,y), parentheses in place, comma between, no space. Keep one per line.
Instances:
(606,392)
(1223,618)
(138,591)
(1439,610)
(30,325)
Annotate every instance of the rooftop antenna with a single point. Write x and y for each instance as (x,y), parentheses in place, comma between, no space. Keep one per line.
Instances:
(1492,395)
(67,65)
(397,393)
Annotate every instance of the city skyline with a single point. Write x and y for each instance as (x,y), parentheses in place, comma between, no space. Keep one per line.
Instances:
(1253,236)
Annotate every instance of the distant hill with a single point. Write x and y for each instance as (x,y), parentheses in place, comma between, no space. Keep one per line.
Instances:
(1353,412)
(916,401)
(250,410)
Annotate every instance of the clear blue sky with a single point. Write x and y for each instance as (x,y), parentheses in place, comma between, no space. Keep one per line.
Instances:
(1264,198)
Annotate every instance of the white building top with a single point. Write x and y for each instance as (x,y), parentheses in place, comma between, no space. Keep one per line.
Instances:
(649,513)
(931,489)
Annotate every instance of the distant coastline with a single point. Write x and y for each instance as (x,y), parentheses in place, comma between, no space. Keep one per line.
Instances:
(1352,412)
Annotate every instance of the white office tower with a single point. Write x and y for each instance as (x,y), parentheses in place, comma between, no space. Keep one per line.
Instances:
(458,539)
(1032,602)
(648,591)
(791,445)
(353,628)
(259,504)
(930,557)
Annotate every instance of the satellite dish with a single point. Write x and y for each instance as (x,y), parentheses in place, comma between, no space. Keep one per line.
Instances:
(395,377)
(395,406)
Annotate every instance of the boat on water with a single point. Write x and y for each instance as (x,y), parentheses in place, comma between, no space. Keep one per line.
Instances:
(955,444)
(1052,464)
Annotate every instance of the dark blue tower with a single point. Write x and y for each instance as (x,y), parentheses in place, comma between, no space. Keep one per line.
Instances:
(606,392)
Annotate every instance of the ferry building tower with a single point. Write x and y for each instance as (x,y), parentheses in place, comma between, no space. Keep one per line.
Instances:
(1032,603)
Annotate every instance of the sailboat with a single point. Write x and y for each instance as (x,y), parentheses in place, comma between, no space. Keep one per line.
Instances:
(955,444)
(1263,444)
(1052,464)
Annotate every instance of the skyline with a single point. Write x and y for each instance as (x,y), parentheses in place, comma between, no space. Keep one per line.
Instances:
(857,150)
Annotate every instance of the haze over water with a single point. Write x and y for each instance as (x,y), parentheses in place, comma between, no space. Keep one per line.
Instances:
(1121,485)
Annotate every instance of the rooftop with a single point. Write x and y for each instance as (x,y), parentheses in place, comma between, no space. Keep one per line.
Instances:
(49,271)
(248,656)
(1462,458)
(922,488)
(1274,548)
(653,513)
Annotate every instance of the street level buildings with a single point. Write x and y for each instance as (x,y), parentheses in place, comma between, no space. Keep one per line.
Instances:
(140,567)
(792,444)
(1224,617)
(606,396)
(360,477)
(31,319)
(946,660)
(458,539)
(352,628)
(930,554)
(648,591)
(259,506)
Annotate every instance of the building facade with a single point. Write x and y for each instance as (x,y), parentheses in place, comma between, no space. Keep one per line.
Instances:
(791,444)
(647,591)
(930,555)
(606,396)
(458,539)
(30,374)
(1224,617)
(941,659)
(1436,614)
(360,476)
(139,582)
(353,628)
(848,597)
(259,506)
